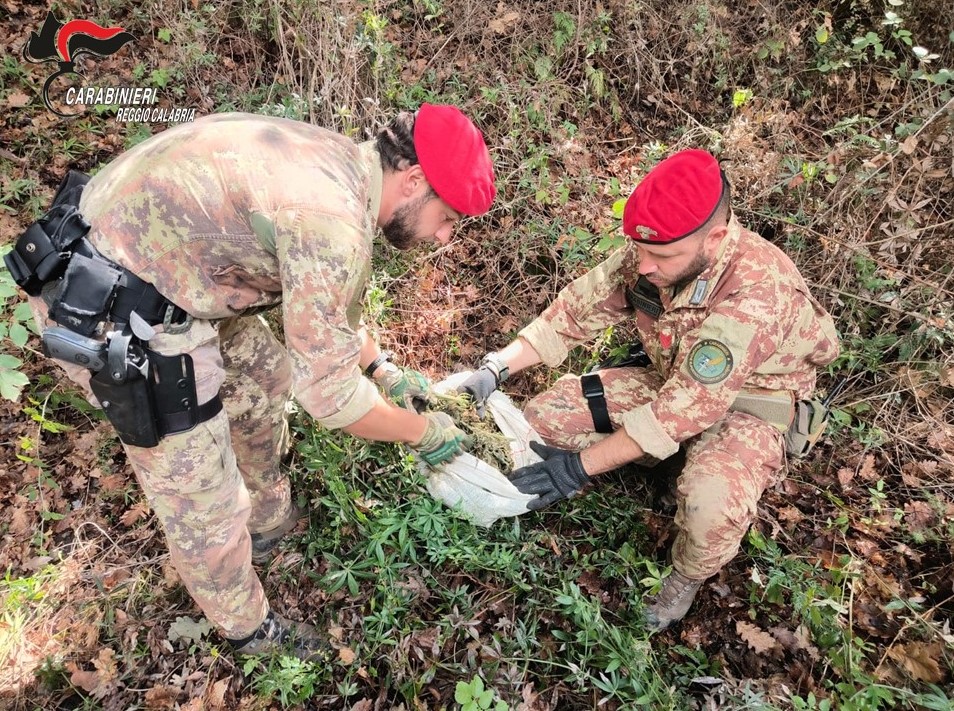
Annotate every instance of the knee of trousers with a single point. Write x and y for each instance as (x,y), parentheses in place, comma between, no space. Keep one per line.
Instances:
(712,517)
(558,414)
(192,482)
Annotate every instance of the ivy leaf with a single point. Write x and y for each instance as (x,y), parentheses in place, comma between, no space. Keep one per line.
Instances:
(12,383)
(19,335)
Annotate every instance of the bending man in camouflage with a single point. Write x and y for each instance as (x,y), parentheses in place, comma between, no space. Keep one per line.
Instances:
(237,213)
(734,339)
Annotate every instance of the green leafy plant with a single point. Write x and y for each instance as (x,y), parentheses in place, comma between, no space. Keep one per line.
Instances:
(289,678)
(472,696)
(15,331)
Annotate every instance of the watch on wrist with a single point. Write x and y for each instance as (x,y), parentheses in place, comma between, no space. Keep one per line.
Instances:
(383,357)
(497,365)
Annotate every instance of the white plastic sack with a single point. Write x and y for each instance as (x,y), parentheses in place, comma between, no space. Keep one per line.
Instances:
(477,488)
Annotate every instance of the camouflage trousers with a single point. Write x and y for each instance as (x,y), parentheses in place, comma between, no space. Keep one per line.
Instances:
(212,486)
(727,469)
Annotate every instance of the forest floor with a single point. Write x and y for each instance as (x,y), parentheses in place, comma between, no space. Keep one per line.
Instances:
(835,124)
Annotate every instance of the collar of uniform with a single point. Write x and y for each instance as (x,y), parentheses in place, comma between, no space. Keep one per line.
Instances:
(697,294)
(371,156)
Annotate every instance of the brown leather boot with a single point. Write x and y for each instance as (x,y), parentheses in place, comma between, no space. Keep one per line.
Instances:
(672,602)
(279,635)
(265,543)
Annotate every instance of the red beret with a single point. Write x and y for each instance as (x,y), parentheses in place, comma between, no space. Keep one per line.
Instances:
(677,197)
(454,158)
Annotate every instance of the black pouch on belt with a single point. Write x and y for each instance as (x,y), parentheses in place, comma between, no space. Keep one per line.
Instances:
(41,253)
(83,298)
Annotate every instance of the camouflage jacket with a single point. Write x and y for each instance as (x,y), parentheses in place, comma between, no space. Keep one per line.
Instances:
(236,212)
(748,322)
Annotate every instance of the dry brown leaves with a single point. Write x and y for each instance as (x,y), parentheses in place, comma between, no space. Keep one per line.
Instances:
(505,20)
(758,640)
(920,661)
(103,680)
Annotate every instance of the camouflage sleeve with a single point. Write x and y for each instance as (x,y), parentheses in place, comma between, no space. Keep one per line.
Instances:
(711,366)
(324,266)
(581,311)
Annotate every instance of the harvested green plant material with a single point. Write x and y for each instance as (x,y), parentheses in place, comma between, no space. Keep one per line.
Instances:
(489,444)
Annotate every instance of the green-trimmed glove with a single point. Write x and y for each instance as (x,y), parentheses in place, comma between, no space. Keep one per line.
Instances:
(442,440)
(406,387)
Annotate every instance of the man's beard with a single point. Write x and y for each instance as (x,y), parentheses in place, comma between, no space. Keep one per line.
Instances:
(698,265)
(695,268)
(401,230)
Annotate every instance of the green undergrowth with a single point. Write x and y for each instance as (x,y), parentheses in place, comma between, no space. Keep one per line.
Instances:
(433,599)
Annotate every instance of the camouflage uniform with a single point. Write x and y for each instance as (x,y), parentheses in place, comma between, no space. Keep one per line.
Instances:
(226,216)
(746,325)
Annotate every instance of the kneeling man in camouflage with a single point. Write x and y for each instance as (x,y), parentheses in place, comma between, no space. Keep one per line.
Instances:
(732,340)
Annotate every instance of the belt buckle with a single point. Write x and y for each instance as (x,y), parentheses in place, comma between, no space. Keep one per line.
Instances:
(175,328)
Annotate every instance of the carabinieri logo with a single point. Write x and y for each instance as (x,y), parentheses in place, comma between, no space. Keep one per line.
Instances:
(65,43)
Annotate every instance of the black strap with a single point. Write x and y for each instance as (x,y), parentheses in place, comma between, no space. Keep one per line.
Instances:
(383,357)
(181,421)
(596,401)
(134,294)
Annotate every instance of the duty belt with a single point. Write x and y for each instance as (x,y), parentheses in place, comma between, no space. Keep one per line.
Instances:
(54,250)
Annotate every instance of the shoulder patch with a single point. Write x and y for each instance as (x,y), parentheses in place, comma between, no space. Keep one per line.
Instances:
(710,361)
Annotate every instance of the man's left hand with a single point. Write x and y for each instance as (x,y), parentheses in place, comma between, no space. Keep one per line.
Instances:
(559,476)
(406,387)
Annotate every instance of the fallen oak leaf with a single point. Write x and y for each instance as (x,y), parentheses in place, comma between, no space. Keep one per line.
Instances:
(760,641)
(85,680)
(215,697)
(919,660)
(138,511)
(100,683)
(17,100)
(188,629)
(501,25)
(346,655)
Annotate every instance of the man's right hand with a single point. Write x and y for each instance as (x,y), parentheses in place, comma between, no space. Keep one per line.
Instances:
(483,381)
(479,386)
(442,440)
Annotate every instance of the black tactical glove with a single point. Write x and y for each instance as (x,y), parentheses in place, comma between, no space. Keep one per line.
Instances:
(559,476)
(483,381)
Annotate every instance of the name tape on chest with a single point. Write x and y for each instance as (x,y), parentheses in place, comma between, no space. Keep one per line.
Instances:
(645,297)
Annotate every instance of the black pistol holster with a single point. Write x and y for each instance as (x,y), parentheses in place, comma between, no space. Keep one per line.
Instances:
(145,395)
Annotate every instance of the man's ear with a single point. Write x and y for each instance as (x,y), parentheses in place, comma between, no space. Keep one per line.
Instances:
(714,238)
(412,179)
